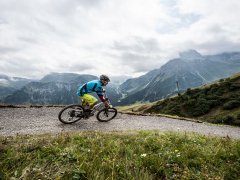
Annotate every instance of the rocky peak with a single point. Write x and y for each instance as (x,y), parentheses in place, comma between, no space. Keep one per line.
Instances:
(190,55)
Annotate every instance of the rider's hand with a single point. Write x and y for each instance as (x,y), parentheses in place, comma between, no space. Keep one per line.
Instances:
(107,105)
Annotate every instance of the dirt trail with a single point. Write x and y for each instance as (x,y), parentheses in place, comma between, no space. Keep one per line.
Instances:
(44,120)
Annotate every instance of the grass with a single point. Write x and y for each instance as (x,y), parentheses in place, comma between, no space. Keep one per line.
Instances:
(137,107)
(218,102)
(126,155)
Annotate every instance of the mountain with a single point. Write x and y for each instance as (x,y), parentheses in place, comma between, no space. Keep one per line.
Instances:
(55,88)
(190,55)
(136,84)
(191,69)
(118,80)
(9,85)
(217,102)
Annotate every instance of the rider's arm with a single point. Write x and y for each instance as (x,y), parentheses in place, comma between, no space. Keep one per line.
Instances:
(103,99)
(100,92)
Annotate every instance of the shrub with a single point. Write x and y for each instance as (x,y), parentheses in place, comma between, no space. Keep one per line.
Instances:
(234,87)
(228,119)
(175,110)
(231,104)
(189,91)
(223,119)
(201,110)
(197,107)
(224,98)
(236,122)
(212,97)
(214,103)
(238,116)
(221,80)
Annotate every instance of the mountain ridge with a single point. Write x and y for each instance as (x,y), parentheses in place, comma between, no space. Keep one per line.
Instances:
(191,69)
(186,74)
(217,102)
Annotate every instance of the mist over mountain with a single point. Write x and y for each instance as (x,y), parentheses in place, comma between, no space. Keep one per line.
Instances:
(135,84)
(55,88)
(118,80)
(190,55)
(191,69)
(8,84)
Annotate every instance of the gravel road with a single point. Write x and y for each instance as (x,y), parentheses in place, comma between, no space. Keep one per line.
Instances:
(44,120)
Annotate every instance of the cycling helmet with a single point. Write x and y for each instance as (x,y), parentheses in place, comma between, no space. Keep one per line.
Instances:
(104,78)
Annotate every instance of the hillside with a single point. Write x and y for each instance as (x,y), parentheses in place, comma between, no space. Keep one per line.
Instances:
(8,85)
(218,102)
(190,70)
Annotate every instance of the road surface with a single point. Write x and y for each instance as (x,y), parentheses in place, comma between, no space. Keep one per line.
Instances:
(45,120)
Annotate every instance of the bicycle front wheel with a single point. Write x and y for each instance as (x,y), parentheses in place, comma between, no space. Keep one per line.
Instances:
(71,114)
(106,114)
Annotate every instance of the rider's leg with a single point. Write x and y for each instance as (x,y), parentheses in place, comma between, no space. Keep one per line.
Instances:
(92,101)
(92,105)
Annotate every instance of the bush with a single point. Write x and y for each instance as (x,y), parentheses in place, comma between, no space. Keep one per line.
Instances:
(189,91)
(174,110)
(190,102)
(238,116)
(228,119)
(221,80)
(223,120)
(234,87)
(197,107)
(212,97)
(231,104)
(201,110)
(214,103)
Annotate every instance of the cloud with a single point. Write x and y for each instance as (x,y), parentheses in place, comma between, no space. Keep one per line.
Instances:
(138,44)
(4,49)
(138,53)
(116,37)
(141,63)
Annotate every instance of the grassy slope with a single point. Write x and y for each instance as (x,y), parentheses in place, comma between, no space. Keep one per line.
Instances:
(129,155)
(218,102)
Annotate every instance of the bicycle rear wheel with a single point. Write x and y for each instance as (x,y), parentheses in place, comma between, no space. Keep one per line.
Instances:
(71,114)
(106,114)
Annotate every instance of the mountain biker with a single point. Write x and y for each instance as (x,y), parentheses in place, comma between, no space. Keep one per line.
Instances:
(89,101)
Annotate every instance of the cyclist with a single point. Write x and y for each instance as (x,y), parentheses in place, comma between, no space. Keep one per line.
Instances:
(89,101)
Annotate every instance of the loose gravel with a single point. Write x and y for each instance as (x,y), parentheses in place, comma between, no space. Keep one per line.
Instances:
(15,121)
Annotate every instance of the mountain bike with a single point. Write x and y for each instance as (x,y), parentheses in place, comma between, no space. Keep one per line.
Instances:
(73,113)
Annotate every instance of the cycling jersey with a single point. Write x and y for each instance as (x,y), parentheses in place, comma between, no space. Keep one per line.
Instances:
(89,87)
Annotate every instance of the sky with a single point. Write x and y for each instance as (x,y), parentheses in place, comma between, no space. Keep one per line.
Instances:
(113,37)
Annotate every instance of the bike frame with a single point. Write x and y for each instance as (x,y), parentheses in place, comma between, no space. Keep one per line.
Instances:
(99,106)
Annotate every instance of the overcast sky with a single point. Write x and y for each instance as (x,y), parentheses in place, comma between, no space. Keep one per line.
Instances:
(114,37)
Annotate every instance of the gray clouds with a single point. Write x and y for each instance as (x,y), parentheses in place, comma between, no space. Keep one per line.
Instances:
(138,44)
(112,37)
(141,54)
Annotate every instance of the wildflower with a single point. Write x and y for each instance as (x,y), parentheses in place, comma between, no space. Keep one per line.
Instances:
(143,155)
